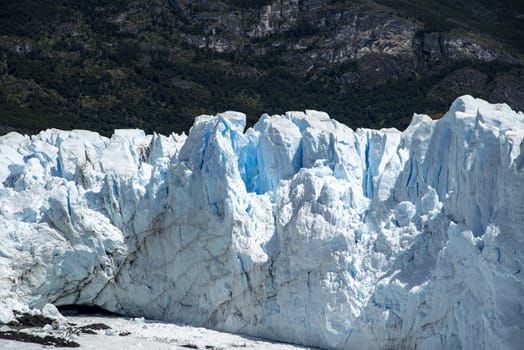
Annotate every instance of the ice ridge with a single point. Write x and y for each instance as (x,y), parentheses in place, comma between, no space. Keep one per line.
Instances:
(298,229)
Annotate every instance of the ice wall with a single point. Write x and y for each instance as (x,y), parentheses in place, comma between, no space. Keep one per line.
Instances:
(298,229)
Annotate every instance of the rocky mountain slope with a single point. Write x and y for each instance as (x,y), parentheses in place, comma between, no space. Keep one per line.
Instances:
(156,64)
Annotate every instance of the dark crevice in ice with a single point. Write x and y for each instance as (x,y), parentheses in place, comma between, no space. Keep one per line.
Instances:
(73,310)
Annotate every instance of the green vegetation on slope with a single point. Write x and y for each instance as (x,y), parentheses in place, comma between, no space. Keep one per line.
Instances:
(102,65)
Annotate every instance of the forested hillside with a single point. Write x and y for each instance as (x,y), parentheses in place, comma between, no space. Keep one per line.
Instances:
(155,65)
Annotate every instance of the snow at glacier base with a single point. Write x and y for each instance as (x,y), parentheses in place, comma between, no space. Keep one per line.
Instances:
(298,229)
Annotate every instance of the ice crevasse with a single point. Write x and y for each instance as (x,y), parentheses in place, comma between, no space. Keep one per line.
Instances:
(297,229)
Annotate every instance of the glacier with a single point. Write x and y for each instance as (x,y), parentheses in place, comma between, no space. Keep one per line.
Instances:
(298,229)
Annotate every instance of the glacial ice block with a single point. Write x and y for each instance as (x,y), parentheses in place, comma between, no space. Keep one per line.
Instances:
(298,229)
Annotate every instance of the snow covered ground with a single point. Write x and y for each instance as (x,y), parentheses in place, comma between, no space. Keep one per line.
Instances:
(153,335)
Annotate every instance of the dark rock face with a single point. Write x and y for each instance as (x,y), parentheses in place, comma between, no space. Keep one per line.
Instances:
(316,34)
(328,33)
(508,88)
(314,30)
(48,340)
(29,320)
(461,81)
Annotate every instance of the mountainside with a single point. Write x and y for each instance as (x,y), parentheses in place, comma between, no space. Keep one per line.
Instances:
(298,229)
(102,64)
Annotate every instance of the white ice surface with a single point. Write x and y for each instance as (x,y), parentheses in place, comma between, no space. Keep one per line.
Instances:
(154,335)
(298,229)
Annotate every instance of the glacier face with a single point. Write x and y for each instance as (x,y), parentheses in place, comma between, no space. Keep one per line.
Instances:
(298,229)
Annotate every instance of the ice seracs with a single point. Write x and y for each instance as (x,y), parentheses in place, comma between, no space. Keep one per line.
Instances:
(298,229)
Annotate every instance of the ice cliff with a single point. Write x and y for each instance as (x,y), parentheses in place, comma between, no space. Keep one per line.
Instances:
(298,229)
